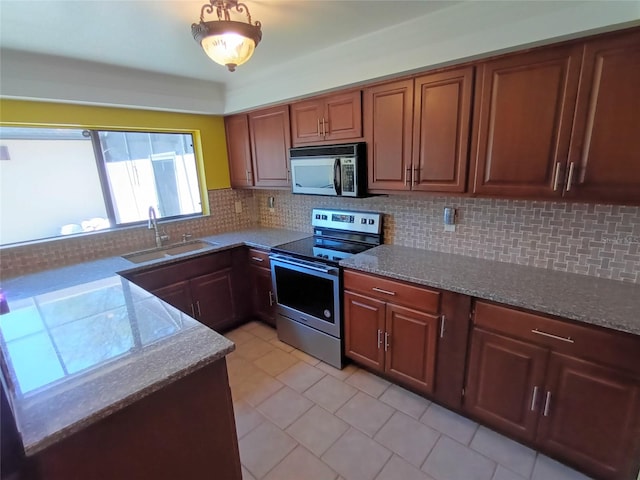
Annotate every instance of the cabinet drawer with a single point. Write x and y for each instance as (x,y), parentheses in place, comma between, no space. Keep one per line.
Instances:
(604,346)
(161,276)
(259,258)
(393,291)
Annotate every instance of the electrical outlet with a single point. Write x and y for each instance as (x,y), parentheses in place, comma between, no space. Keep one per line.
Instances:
(238,206)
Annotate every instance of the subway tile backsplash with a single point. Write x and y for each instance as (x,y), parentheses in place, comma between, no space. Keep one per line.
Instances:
(597,240)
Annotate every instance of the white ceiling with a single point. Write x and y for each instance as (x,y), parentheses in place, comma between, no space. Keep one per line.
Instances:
(141,53)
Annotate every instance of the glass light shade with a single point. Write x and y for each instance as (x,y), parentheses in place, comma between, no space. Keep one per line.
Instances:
(229,49)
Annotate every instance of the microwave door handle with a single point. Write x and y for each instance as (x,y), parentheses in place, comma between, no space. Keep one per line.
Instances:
(337,176)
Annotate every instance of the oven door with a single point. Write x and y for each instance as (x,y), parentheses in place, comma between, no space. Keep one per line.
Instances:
(307,292)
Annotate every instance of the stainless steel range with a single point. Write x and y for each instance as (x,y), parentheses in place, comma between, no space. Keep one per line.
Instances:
(308,280)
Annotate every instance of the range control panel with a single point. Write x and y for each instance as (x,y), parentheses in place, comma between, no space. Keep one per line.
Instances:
(363,222)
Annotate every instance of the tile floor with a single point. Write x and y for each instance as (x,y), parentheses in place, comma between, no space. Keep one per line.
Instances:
(299,418)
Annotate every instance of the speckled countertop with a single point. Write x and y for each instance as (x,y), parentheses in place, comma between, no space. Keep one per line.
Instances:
(82,342)
(602,302)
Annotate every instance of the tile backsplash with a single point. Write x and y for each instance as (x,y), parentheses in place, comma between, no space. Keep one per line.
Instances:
(597,240)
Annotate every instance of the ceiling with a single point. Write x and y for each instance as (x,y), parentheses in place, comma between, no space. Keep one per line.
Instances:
(141,53)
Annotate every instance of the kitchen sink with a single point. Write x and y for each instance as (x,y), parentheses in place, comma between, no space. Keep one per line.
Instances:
(167,251)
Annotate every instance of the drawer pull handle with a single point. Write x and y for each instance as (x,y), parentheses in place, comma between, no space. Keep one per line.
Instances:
(556,176)
(271,299)
(570,176)
(257,259)
(534,399)
(379,338)
(551,335)
(386,341)
(193,312)
(380,290)
(442,320)
(198,307)
(547,404)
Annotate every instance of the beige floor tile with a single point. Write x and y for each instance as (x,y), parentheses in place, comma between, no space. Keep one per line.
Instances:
(281,345)
(254,349)
(301,464)
(246,475)
(450,460)
(548,469)
(317,429)
(450,423)
(239,369)
(275,362)
(399,469)
(343,374)
(284,407)
(356,456)
(505,474)
(408,438)
(300,376)
(305,357)
(264,332)
(239,336)
(510,454)
(249,326)
(263,448)
(368,382)
(330,393)
(365,413)
(405,401)
(247,418)
(256,389)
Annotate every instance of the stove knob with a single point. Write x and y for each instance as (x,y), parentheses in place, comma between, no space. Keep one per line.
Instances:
(326,256)
(317,216)
(324,217)
(363,221)
(371,221)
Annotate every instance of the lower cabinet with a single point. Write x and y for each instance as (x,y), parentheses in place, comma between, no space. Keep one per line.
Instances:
(401,330)
(204,287)
(569,390)
(262,299)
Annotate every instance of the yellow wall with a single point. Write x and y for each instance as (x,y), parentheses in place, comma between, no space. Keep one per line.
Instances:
(207,129)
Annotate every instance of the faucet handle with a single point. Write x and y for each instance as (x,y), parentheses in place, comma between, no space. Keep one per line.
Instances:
(186,236)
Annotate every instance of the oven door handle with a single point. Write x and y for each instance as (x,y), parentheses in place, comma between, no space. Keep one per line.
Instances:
(278,258)
(337,176)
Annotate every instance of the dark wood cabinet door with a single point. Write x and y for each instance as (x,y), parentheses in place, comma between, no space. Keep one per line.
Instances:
(364,326)
(441,123)
(452,349)
(306,122)
(388,122)
(262,295)
(239,150)
(410,346)
(213,299)
(177,294)
(505,382)
(523,115)
(343,116)
(591,417)
(270,142)
(605,147)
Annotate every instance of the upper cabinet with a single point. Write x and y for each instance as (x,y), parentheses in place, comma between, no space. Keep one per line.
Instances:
(604,157)
(239,151)
(388,125)
(327,119)
(418,132)
(522,123)
(270,143)
(560,122)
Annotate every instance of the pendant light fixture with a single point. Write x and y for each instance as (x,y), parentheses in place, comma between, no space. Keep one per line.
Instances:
(225,41)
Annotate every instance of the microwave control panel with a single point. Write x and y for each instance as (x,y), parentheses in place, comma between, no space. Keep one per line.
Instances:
(364,222)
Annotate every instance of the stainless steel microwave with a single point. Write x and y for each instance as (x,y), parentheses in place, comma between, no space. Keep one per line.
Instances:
(339,170)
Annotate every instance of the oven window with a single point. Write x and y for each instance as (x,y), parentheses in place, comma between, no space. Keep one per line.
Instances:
(306,293)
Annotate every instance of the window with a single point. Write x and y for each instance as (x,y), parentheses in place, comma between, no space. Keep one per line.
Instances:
(63,181)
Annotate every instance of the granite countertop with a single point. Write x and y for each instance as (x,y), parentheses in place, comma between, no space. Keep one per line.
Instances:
(606,303)
(82,342)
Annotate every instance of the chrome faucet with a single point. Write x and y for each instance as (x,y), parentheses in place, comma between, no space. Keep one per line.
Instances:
(153,224)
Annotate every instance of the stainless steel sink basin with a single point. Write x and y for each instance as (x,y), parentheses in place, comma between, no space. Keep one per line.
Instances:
(167,251)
